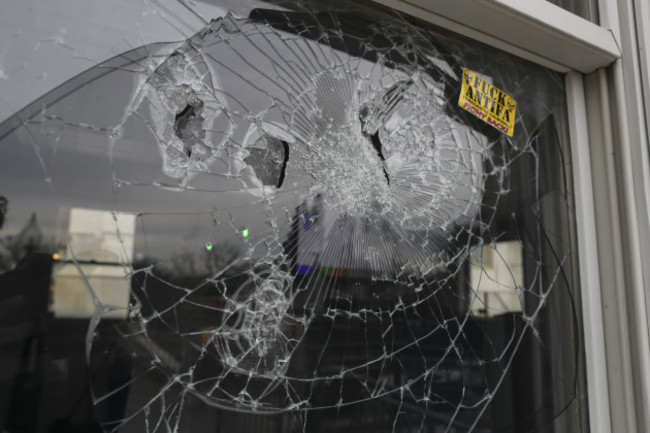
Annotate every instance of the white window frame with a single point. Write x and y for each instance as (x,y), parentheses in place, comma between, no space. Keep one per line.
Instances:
(607,88)
(533,29)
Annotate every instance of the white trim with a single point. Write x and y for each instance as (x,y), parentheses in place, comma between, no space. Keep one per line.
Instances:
(534,29)
(642,14)
(608,17)
(634,182)
(597,385)
(611,268)
(633,205)
(629,87)
(472,33)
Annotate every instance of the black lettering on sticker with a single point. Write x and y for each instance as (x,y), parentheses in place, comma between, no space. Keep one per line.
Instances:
(470,93)
(502,98)
(506,115)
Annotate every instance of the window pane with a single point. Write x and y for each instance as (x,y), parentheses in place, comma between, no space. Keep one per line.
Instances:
(587,9)
(288,214)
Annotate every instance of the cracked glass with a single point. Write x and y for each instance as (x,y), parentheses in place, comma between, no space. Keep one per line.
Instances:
(283,221)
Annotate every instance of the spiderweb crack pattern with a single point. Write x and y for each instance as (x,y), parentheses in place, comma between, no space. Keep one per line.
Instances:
(317,221)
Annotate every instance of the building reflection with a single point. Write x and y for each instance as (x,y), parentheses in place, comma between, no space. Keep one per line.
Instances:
(52,292)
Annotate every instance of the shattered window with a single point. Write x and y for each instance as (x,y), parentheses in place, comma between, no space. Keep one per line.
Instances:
(285,221)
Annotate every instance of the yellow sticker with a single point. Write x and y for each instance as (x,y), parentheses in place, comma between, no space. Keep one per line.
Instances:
(488,103)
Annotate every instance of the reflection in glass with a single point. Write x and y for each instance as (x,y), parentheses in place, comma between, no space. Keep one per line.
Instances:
(288,215)
(587,9)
